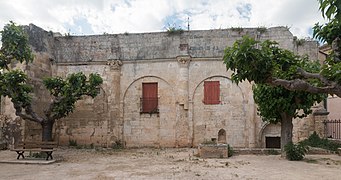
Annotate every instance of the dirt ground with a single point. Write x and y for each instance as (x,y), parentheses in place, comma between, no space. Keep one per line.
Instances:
(169,164)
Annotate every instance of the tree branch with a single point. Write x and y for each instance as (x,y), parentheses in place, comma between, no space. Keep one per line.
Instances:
(49,112)
(302,85)
(28,115)
(308,75)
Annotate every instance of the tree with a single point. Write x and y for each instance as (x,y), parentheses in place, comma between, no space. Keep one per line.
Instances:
(14,83)
(263,62)
(279,105)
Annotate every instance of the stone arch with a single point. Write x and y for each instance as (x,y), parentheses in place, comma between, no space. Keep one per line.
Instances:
(222,136)
(151,76)
(155,129)
(207,120)
(269,130)
(210,77)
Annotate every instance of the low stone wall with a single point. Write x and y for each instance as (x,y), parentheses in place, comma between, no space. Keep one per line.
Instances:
(213,150)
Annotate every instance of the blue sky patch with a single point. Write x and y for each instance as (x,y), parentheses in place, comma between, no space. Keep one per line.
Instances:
(244,11)
(81,26)
(174,21)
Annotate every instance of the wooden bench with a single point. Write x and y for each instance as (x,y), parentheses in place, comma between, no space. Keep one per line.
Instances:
(45,146)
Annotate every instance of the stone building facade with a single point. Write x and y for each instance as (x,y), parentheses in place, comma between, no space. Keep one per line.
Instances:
(159,90)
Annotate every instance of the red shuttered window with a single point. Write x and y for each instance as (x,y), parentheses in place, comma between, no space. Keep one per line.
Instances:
(211,92)
(149,98)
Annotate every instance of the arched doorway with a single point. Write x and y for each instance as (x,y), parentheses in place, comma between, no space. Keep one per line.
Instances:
(271,136)
(222,136)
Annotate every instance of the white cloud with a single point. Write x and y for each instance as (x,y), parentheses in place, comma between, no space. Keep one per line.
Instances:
(119,16)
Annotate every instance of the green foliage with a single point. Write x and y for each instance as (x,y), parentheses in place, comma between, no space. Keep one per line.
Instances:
(332,71)
(14,46)
(295,152)
(237,29)
(264,62)
(272,101)
(273,152)
(261,29)
(39,155)
(330,32)
(260,61)
(117,145)
(230,151)
(327,32)
(331,9)
(243,58)
(13,84)
(209,142)
(300,42)
(315,141)
(172,30)
(67,92)
(73,143)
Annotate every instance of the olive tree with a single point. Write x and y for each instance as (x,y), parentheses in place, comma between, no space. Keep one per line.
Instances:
(14,83)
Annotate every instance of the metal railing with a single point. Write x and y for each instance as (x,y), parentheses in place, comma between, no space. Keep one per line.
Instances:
(333,129)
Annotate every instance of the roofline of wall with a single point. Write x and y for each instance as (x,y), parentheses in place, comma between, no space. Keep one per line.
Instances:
(135,61)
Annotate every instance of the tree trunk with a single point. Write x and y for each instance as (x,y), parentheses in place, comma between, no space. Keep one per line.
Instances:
(286,131)
(47,130)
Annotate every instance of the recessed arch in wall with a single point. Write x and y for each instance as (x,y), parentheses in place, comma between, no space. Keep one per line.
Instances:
(229,115)
(149,129)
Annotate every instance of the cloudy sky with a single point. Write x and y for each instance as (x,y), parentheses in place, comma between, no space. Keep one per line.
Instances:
(84,17)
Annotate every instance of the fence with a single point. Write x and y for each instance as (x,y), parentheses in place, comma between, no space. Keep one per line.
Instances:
(333,129)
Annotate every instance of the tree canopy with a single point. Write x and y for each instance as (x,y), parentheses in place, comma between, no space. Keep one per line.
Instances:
(272,101)
(264,62)
(14,83)
(277,104)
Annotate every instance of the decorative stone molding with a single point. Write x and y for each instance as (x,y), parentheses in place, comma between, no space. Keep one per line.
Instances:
(115,64)
(184,60)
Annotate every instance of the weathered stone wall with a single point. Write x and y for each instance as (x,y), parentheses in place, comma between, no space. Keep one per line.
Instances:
(88,124)
(148,46)
(179,63)
(41,44)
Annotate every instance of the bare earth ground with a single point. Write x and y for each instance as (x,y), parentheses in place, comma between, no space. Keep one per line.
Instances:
(169,164)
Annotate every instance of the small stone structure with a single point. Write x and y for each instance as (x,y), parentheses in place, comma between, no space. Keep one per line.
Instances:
(213,150)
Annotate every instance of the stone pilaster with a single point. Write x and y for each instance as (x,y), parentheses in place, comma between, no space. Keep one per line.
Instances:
(114,87)
(182,119)
(183,79)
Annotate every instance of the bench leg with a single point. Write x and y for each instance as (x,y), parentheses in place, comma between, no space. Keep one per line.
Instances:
(20,153)
(49,155)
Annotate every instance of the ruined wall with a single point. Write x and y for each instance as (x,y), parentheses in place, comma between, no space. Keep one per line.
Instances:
(179,63)
(162,45)
(88,124)
(41,43)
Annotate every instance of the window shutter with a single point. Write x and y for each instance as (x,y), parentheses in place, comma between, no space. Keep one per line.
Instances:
(211,92)
(149,97)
